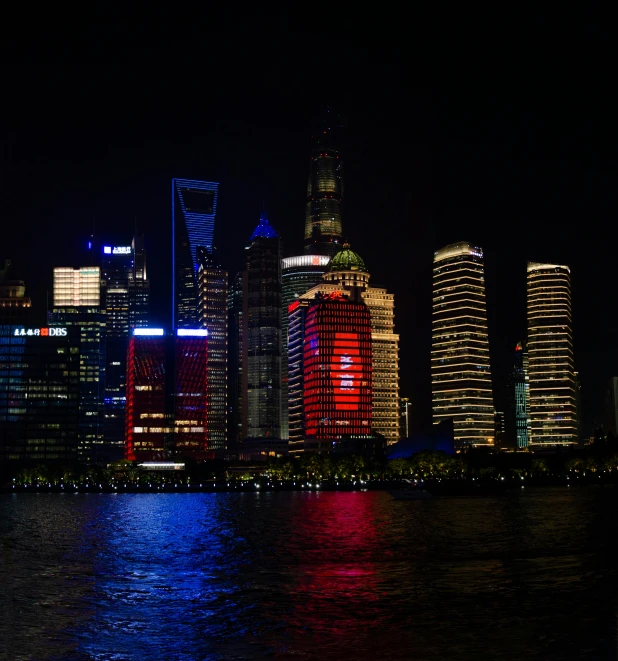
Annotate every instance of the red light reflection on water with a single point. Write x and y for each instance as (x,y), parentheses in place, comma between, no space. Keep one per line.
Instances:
(335,590)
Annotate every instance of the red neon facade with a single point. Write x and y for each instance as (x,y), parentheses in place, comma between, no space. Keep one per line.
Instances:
(190,408)
(337,369)
(166,408)
(146,421)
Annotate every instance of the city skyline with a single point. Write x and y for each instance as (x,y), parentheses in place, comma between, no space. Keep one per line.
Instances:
(423,169)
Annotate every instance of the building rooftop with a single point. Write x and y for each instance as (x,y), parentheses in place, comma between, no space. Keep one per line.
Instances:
(456,250)
(347,260)
(264,229)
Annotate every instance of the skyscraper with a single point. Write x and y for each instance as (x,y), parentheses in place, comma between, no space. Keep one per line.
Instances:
(194,206)
(323,231)
(611,407)
(39,393)
(125,292)
(336,370)
(77,302)
(264,332)
(298,275)
(347,272)
(166,395)
(553,397)
(213,289)
(460,367)
(237,323)
(520,393)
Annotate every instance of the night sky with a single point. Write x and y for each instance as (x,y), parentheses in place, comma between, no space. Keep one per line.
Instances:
(95,127)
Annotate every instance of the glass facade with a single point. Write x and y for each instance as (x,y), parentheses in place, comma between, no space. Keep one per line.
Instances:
(521,393)
(460,366)
(298,275)
(323,229)
(167,396)
(39,393)
(194,206)
(237,320)
(264,333)
(83,287)
(553,396)
(125,290)
(213,290)
(336,371)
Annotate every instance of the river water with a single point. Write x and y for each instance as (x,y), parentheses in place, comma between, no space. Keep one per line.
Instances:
(295,575)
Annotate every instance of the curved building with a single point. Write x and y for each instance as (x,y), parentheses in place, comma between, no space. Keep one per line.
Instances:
(460,367)
(323,233)
(552,377)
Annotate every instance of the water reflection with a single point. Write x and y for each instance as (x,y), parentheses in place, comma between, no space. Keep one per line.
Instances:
(308,575)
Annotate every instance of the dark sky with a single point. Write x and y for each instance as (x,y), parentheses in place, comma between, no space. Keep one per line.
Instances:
(95,125)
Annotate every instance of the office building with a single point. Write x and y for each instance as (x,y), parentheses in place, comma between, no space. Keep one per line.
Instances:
(237,324)
(553,396)
(15,306)
(263,344)
(336,371)
(520,394)
(460,366)
(194,206)
(213,314)
(323,231)
(348,273)
(77,303)
(39,393)
(125,293)
(298,275)
(167,380)
(406,410)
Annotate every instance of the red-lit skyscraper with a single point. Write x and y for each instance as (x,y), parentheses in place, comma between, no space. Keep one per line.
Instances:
(167,395)
(336,371)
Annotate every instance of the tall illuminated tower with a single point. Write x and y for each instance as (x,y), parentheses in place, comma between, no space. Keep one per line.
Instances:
(212,287)
(77,302)
(263,344)
(460,366)
(347,273)
(323,231)
(553,396)
(194,206)
(520,392)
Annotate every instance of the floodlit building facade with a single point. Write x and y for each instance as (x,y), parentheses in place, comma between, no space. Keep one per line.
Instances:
(347,272)
(213,289)
(460,365)
(167,413)
(77,303)
(553,392)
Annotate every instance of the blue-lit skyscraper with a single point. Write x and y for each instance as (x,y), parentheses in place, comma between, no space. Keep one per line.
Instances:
(194,205)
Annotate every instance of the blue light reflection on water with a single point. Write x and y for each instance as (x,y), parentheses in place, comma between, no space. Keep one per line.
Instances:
(309,575)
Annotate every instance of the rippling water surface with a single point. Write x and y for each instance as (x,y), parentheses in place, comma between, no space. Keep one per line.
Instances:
(171,577)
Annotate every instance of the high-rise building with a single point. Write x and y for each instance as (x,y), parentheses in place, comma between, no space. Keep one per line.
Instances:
(263,344)
(611,407)
(520,392)
(125,292)
(499,429)
(194,206)
(298,275)
(460,366)
(77,302)
(39,393)
(406,409)
(213,290)
(347,272)
(553,397)
(167,395)
(336,371)
(237,323)
(15,306)
(323,231)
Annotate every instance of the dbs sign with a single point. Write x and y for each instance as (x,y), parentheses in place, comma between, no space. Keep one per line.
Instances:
(346,371)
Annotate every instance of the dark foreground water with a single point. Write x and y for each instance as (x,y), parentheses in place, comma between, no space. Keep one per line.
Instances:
(148,577)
